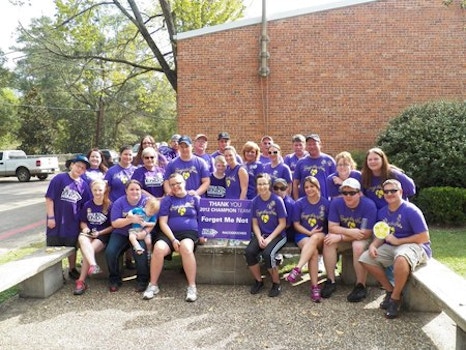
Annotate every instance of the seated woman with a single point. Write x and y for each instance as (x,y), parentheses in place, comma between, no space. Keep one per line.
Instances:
(310,221)
(95,231)
(269,236)
(119,239)
(179,225)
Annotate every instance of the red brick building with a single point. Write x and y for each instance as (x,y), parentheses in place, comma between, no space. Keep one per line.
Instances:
(341,71)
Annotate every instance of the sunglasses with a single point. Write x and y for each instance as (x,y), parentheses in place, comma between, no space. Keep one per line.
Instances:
(149,157)
(279,188)
(349,193)
(273,152)
(390,191)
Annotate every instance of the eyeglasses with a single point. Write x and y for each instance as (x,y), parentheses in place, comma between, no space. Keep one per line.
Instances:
(391,191)
(173,184)
(273,152)
(149,157)
(279,188)
(349,193)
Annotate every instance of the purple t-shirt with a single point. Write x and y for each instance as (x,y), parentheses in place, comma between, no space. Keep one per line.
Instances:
(291,160)
(268,212)
(117,177)
(233,186)
(193,171)
(352,218)
(320,167)
(182,212)
(311,215)
(334,190)
(406,221)
(93,174)
(253,169)
(151,180)
(93,215)
(209,160)
(375,191)
(280,171)
(68,196)
(120,209)
(264,159)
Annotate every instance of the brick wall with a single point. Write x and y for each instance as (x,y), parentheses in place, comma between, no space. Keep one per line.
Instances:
(342,73)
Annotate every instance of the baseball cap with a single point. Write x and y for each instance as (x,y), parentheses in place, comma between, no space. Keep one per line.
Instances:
(280,180)
(176,137)
(200,136)
(186,140)
(223,135)
(314,137)
(81,158)
(350,182)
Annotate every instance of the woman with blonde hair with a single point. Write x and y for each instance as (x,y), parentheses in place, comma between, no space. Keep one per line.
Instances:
(251,153)
(346,167)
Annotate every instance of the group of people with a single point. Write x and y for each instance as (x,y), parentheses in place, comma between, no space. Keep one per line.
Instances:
(149,203)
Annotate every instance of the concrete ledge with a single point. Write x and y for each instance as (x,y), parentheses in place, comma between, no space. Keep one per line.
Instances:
(434,288)
(221,261)
(40,274)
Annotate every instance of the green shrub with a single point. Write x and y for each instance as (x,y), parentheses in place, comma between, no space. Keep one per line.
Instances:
(428,143)
(443,205)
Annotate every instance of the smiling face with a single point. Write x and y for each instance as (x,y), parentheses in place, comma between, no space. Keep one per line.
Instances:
(374,163)
(98,190)
(77,169)
(274,154)
(95,159)
(126,158)
(230,157)
(311,190)
(313,147)
(263,186)
(177,185)
(133,192)
(351,196)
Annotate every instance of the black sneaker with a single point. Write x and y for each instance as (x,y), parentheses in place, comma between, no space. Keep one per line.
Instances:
(257,287)
(275,290)
(393,308)
(358,293)
(74,274)
(385,301)
(329,288)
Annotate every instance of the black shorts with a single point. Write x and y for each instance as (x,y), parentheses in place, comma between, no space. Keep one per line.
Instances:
(57,241)
(190,234)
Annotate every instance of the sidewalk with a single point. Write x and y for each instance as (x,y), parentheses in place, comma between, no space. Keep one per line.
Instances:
(224,317)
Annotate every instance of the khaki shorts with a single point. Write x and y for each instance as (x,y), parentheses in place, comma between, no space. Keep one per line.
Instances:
(386,255)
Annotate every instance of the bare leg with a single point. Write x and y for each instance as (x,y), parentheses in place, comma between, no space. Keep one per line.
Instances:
(330,260)
(188,260)
(256,272)
(161,250)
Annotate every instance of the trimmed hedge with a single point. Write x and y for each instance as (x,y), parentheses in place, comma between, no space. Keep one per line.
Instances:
(443,205)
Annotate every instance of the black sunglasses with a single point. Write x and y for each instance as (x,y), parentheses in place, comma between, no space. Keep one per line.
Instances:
(349,193)
(273,152)
(149,157)
(390,191)
(279,188)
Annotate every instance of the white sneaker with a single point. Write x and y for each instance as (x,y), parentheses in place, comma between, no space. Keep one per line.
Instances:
(150,291)
(191,294)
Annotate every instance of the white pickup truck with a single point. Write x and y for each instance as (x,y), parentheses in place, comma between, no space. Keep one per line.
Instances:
(17,163)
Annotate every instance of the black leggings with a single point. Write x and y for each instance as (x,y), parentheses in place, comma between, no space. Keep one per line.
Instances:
(253,251)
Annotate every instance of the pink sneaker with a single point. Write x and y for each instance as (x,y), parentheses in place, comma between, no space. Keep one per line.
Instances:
(294,275)
(315,294)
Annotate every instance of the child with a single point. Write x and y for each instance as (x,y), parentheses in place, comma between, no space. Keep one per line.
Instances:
(142,231)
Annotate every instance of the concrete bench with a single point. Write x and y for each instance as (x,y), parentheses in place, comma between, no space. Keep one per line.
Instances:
(435,288)
(39,274)
(222,261)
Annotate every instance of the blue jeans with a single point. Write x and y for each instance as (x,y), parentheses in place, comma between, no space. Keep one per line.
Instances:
(117,245)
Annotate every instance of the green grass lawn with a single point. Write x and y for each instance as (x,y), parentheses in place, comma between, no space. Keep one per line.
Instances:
(449,247)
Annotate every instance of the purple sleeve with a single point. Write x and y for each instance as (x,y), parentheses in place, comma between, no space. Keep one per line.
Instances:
(333,215)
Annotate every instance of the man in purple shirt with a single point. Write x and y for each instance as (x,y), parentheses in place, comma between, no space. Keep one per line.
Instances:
(350,221)
(193,169)
(316,163)
(406,246)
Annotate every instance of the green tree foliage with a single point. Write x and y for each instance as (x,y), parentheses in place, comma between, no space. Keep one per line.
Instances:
(37,130)
(429,142)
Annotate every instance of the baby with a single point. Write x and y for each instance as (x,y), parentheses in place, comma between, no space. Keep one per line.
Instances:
(142,231)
